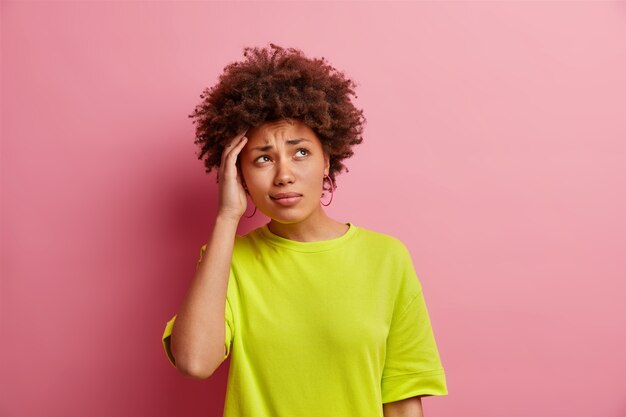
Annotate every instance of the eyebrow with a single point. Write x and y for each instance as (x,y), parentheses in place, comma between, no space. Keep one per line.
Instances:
(289,142)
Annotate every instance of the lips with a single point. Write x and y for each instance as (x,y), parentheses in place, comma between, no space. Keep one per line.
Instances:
(287,199)
(285,195)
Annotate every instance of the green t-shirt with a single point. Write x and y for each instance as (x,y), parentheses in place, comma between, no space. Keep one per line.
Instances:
(327,328)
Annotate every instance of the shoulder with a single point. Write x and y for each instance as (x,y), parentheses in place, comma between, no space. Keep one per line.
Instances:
(247,244)
(392,255)
(383,242)
(240,243)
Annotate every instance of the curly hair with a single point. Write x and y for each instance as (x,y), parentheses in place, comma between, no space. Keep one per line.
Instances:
(279,83)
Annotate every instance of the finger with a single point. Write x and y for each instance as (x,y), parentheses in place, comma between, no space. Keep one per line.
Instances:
(232,143)
(233,155)
(225,152)
(239,175)
(234,152)
(230,158)
(237,138)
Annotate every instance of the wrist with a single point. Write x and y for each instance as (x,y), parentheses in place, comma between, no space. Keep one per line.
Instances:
(228,218)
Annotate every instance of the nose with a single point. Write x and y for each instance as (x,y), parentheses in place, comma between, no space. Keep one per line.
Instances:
(283,174)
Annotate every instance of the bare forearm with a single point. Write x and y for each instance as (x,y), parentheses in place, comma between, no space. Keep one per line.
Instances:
(409,407)
(198,334)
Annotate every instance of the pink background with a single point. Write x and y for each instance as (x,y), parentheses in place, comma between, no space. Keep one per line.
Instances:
(494,148)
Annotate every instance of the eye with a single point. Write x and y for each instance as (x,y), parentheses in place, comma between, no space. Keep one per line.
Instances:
(303,149)
(267,156)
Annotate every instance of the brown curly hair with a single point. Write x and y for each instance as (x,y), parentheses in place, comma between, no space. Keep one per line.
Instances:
(275,83)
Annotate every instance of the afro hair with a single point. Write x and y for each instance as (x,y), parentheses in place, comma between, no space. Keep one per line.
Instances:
(279,83)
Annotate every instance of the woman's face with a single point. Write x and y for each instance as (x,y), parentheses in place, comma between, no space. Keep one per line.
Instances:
(284,156)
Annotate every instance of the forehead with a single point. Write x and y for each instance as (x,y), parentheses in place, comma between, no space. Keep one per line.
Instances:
(280,129)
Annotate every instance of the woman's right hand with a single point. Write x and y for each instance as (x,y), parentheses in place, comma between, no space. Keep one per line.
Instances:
(232,195)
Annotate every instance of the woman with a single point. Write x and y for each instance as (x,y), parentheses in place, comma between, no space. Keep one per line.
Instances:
(320,317)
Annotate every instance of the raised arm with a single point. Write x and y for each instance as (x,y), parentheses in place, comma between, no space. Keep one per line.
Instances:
(198,334)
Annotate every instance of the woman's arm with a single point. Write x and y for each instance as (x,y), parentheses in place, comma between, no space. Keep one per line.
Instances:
(409,407)
(197,340)
(198,336)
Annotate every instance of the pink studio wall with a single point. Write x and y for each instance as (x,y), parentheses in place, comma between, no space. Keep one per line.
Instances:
(494,148)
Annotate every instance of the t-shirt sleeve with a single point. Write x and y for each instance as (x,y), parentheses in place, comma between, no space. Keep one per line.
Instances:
(412,363)
(229,322)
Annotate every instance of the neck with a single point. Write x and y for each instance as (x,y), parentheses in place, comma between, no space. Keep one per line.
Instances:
(318,226)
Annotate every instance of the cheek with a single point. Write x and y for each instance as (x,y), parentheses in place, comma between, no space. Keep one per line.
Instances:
(255,181)
(315,174)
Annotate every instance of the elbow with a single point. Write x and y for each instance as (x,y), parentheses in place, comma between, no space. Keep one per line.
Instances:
(195,371)
(191,363)
(194,368)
